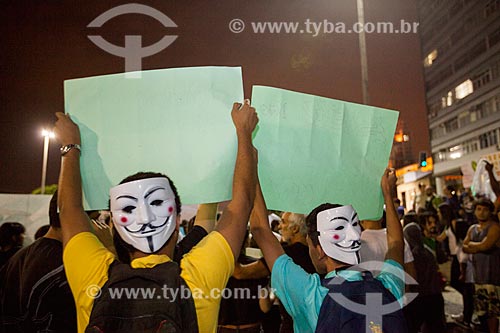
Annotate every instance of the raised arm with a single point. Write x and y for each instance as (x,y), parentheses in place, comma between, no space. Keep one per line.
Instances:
(261,231)
(495,186)
(73,218)
(395,239)
(234,219)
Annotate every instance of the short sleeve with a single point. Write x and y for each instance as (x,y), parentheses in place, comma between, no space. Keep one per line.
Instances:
(300,293)
(408,255)
(206,270)
(86,262)
(392,277)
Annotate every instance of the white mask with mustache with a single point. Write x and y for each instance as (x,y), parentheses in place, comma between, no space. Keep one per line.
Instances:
(339,234)
(144,212)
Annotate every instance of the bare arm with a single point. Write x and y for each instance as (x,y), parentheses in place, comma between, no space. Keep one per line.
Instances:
(73,218)
(234,219)
(259,226)
(441,237)
(255,270)
(395,240)
(495,186)
(205,216)
(266,299)
(465,246)
(487,243)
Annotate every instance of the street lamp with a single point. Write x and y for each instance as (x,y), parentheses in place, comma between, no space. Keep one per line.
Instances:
(46,137)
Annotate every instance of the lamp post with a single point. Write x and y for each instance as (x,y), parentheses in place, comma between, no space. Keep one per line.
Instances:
(46,137)
(362,51)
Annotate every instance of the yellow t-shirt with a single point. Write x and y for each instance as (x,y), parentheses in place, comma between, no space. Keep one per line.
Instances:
(206,270)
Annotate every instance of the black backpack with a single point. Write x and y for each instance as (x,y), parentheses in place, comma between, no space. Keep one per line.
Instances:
(343,316)
(141,300)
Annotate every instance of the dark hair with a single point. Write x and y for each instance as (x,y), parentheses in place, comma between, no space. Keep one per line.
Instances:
(485,203)
(42,231)
(146,175)
(53,214)
(8,230)
(312,222)
(447,213)
(410,217)
(123,249)
(422,218)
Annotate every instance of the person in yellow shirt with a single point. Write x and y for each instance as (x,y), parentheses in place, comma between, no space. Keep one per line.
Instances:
(145,210)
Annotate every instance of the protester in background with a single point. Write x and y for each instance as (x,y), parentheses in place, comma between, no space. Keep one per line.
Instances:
(11,240)
(432,201)
(374,244)
(293,230)
(34,293)
(242,312)
(429,224)
(483,242)
(451,198)
(466,275)
(467,204)
(420,198)
(448,219)
(426,312)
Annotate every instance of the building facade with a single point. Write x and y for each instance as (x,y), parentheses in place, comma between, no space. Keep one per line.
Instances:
(461,61)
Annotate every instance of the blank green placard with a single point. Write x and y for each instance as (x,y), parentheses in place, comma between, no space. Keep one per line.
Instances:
(314,150)
(175,121)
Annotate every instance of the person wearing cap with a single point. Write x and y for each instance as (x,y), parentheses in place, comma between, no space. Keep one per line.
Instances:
(483,242)
(144,210)
(333,238)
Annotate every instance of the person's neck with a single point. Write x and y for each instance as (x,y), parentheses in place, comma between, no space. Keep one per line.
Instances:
(333,265)
(167,249)
(484,223)
(298,238)
(54,233)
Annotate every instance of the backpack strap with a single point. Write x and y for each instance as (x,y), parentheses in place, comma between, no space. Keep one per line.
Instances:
(340,317)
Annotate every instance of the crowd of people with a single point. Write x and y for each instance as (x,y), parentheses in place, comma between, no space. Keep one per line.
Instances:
(317,274)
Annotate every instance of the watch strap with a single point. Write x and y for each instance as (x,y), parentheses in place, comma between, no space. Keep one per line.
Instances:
(65,149)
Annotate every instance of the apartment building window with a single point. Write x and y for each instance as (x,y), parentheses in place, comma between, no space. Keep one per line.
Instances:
(455,152)
(430,58)
(449,98)
(488,139)
(482,79)
(451,125)
(494,37)
(434,109)
(437,132)
(479,49)
(463,89)
(470,146)
(491,7)
(464,119)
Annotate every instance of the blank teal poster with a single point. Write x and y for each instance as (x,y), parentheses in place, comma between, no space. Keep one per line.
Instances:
(174,121)
(314,150)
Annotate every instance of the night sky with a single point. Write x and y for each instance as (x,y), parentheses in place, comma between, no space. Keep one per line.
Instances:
(45,43)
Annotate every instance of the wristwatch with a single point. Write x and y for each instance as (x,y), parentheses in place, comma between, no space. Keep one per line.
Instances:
(67,148)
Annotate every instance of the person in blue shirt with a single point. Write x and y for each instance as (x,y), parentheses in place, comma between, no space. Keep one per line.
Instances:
(334,241)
